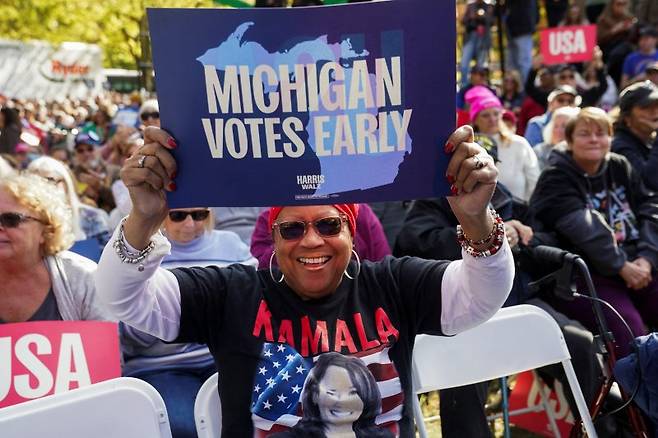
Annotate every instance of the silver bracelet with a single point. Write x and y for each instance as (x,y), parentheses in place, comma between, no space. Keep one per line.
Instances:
(127,256)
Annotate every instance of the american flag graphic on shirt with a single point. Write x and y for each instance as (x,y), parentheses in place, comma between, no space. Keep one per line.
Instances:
(279,382)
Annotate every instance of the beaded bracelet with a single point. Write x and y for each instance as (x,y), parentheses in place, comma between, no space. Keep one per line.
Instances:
(127,256)
(496,237)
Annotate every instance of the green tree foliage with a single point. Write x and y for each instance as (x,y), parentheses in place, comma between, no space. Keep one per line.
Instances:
(118,26)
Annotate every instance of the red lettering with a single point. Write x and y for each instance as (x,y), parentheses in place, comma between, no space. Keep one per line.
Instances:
(321,334)
(361,331)
(286,335)
(263,320)
(384,326)
(56,66)
(343,338)
(75,69)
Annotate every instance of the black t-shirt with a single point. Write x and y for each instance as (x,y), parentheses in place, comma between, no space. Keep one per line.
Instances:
(266,340)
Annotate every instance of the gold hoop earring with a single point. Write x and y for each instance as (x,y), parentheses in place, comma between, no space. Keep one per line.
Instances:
(272,273)
(358,266)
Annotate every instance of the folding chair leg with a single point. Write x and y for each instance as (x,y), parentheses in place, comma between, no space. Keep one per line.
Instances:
(505,394)
(418,415)
(547,407)
(580,400)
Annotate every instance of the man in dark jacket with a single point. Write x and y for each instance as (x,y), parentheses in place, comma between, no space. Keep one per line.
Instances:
(636,129)
(566,75)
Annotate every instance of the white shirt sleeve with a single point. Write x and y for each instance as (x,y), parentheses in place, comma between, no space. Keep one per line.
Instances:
(148,300)
(474,289)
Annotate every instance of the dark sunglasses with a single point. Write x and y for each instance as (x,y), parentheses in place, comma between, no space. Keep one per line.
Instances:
(150,115)
(13,220)
(325,227)
(181,215)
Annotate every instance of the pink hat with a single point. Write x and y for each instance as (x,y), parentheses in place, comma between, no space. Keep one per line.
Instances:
(21,148)
(481,98)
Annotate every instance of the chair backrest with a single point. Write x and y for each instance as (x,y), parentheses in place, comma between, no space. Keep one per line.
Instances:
(119,408)
(517,338)
(207,410)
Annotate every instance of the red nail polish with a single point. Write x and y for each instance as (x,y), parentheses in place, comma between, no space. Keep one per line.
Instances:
(454,190)
(172,186)
(173,175)
(172,143)
(448,148)
(450,178)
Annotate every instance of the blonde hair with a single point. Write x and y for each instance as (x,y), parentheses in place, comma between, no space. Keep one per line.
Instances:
(567,111)
(589,115)
(47,205)
(506,134)
(46,166)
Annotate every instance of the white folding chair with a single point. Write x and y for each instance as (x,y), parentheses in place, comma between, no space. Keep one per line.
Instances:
(208,410)
(117,408)
(516,339)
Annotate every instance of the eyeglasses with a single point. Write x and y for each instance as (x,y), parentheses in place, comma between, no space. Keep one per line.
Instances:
(150,115)
(325,227)
(13,220)
(181,215)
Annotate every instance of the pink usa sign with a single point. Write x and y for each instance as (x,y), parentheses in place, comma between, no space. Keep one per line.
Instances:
(568,44)
(48,357)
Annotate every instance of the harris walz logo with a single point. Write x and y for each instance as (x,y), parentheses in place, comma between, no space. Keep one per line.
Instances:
(310,182)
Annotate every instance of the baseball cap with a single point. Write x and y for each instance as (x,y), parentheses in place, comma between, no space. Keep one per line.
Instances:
(648,31)
(90,138)
(565,89)
(640,94)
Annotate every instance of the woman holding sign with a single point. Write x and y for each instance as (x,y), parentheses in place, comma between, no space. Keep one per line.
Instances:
(266,329)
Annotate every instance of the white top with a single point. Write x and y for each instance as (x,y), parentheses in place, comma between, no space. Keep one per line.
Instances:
(472,290)
(518,167)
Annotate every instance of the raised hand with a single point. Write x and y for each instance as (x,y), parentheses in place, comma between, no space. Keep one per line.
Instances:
(473,175)
(148,174)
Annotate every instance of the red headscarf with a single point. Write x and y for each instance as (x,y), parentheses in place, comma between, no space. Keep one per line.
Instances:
(351,211)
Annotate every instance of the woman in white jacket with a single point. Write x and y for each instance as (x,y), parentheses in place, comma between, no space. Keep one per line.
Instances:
(41,280)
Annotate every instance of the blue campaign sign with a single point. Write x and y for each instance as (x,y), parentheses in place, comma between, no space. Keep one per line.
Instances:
(295,106)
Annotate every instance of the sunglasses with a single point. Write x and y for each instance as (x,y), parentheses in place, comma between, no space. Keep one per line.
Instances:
(181,215)
(13,220)
(325,227)
(151,115)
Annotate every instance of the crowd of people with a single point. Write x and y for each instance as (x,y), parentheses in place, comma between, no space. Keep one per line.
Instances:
(576,152)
